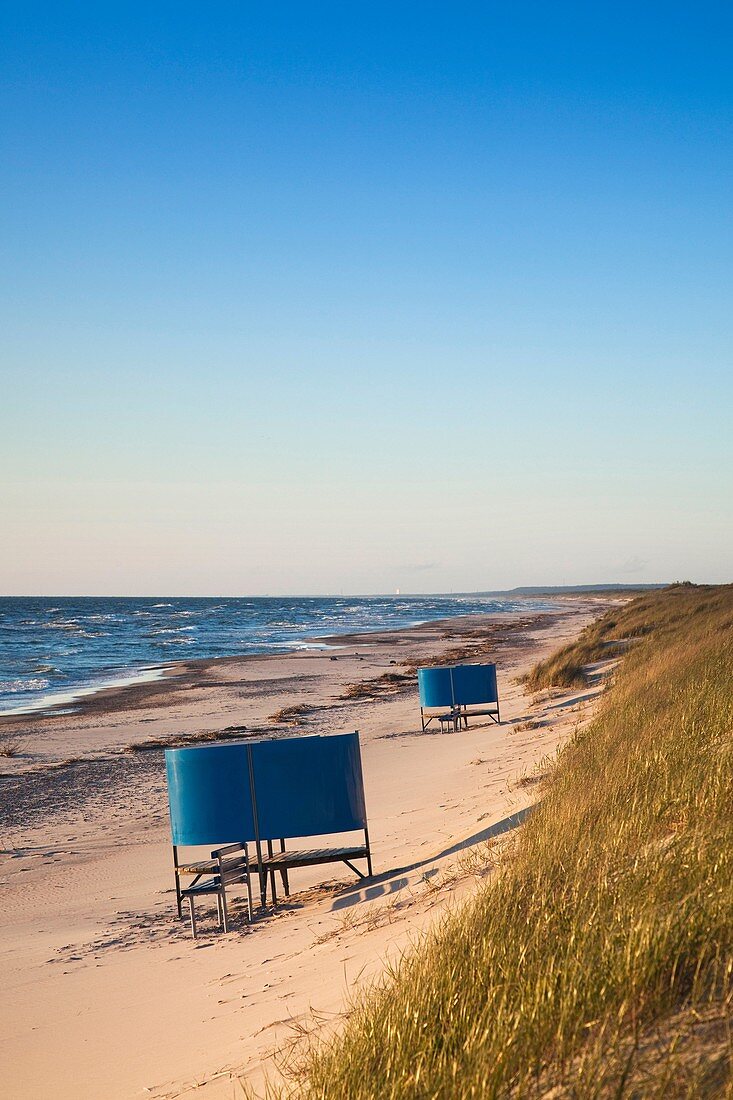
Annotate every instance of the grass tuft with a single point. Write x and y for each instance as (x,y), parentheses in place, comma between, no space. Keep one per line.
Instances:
(10,745)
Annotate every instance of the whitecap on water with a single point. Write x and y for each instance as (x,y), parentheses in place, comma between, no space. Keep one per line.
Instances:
(13,687)
(167,630)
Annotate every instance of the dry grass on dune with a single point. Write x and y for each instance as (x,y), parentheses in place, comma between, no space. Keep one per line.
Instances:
(615,632)
(598,961)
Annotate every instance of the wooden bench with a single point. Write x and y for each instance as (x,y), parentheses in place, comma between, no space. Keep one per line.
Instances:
(462,714)
(284,861)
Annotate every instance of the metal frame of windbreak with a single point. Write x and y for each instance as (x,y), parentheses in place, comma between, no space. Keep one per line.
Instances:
(267,864)
(459,712)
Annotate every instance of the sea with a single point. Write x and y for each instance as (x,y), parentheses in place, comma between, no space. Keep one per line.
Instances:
(53,651)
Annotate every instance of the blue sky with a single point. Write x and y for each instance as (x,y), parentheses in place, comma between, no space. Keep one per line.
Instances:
(323,297)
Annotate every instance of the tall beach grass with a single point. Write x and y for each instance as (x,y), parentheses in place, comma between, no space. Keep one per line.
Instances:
(598,960)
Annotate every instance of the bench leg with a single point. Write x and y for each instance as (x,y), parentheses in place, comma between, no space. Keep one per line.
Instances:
(192,912)
(249,896)
(272,876)
(223,904)
(284,873)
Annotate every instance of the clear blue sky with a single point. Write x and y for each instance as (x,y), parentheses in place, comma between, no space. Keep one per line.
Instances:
(315,297)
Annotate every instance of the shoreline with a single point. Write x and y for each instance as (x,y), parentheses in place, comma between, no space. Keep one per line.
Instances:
(51,698)
(68,698)
(87,907)
(122,710)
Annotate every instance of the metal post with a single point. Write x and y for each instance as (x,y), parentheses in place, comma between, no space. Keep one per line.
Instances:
(284,872)
(249,885)
(369,852)
(453,702)
(258,843)
(178,880)
(366,827)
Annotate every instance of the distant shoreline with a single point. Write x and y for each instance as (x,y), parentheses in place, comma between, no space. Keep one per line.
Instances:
(522,590)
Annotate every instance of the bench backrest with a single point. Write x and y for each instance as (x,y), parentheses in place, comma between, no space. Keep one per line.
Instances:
(233,863)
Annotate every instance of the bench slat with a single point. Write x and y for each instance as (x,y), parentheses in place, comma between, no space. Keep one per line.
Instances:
(312,856)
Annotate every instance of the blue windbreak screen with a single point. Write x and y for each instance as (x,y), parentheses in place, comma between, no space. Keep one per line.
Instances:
(475,684)
(435,687)
(209,794)
(308,786)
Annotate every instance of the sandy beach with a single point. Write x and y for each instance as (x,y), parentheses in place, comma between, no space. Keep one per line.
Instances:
(105,992)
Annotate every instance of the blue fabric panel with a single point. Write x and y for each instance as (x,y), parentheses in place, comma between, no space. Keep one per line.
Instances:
(209,794)
(475,684)
(307,786)
(435,687)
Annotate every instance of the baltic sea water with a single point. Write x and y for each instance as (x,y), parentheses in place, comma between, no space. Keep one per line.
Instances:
(55,649)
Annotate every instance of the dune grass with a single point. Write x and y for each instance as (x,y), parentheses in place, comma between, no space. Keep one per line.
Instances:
(598,960)
(613,633)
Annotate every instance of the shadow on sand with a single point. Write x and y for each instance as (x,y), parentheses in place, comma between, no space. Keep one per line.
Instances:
(387,883)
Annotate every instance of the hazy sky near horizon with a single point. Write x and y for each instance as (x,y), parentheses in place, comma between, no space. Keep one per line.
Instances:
(350,297)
